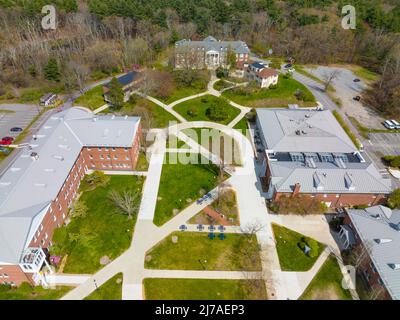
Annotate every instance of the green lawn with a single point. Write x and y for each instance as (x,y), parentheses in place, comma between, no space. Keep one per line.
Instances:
(195,251)
(280,96)
(327,284)
(242,125)
(199,107)
(160,118)
(222,84)
(204,289)
(291,257)
(142,163)
(91,99)
(104,231)
(111,290)
(26,292)
(180,185)
(182,92)
(232,147)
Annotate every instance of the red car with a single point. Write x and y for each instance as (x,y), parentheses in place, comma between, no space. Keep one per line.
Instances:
(6,141)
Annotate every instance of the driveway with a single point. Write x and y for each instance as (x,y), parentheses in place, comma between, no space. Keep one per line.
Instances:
(346,90)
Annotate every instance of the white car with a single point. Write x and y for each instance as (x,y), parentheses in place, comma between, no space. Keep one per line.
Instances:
(396,124)
(389,124)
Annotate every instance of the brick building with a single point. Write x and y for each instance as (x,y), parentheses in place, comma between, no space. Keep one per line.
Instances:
(209,53)
(40,185)
(307,152)
(375,234)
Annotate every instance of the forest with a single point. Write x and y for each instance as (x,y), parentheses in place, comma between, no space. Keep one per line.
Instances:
(95,38)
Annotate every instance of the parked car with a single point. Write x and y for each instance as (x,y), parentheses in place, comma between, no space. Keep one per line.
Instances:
(6,141)
(356,80)
(357,98)
(396,124)
(4,150)
(16,129)
(389,125)
(289,65)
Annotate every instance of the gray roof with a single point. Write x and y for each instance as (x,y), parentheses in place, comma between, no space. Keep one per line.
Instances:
(378,227)
(302,131)
(29,185)
(210,43)
(328,178)
(304,134)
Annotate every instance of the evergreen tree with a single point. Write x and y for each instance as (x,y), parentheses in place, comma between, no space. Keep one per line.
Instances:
(116,94)
(51,70)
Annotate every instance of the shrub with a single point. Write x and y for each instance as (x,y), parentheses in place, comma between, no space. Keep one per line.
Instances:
(299,204)
(216,113)
(311,244)
(96,179)
(220,72)
(393,161)
(394,199)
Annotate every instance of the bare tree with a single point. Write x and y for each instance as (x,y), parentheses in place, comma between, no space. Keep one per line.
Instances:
(252,228)
(328,78)
(125,200)
(80,73)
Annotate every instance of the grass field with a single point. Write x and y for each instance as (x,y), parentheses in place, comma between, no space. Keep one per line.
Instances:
(200,106)
(326,285)
(195,251)
(26,292)
(104,231)
(180,93)
(91,99)
(111,290)
(203,289)
(280,96)
(291,257)
(180,185)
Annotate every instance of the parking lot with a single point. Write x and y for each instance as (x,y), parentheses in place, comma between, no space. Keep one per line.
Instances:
(21,116)
(385,143)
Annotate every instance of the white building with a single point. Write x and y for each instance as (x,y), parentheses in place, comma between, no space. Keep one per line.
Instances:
(262,74)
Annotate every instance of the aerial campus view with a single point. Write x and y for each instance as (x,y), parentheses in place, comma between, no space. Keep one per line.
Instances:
(195,150)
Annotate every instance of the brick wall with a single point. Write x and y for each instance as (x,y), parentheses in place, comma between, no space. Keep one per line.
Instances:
(58,211)
(342,199)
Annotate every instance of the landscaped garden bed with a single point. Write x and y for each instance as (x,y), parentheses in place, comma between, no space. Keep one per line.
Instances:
(226,206)
(196,251)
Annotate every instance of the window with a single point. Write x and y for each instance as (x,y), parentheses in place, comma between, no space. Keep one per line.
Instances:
(90,156)
(99,148)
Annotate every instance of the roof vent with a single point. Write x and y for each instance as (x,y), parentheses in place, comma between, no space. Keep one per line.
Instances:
(348,181)
(126,117)
(49,170)
(318,182)
(41,185)
(64,147)
(113,117)
(61,158)
(34,155)
(394,266)
(5,184)
(94,119)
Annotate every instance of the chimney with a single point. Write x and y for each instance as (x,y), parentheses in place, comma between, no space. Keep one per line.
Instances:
(296,190)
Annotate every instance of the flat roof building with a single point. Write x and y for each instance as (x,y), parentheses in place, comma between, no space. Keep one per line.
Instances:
(308,152)
(43,179)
